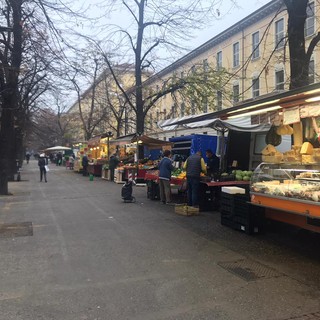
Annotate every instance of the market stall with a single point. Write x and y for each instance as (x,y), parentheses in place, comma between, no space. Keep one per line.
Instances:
(130,165)
(99,150)
(287,183)
(81,149)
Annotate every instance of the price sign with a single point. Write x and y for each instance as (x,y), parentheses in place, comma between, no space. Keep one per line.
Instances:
(311,110)
(291,115)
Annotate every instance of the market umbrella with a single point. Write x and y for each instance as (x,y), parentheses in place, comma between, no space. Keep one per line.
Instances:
(57,148)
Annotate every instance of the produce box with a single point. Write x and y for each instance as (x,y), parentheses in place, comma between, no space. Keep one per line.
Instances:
(185,210)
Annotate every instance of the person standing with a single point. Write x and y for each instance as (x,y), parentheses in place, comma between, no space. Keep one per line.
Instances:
(113,163)
(42,163)
(85,163)
(194,165)
(165,168)
(213,164)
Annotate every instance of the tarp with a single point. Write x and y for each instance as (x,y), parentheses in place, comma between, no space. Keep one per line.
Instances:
(122,140)
(145,140)
(94,142)
(238,124)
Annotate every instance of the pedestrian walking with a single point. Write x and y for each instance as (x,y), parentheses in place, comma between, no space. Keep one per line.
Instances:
(194,165)
(42,163)
(165,169)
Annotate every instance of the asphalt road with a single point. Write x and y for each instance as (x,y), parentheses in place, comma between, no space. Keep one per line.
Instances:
(71,249)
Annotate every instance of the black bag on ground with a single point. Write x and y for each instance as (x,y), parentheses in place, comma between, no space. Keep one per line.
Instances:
(126,192)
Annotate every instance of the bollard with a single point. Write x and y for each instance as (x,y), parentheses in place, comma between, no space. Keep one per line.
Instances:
(91,177)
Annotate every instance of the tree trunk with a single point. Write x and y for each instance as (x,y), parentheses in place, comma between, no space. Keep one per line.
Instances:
(6,145)
(299,63)
(10,98)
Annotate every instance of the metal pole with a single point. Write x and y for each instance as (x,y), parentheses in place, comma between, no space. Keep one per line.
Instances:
(108,145)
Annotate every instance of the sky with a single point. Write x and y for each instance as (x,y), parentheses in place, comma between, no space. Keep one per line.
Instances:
(227,18)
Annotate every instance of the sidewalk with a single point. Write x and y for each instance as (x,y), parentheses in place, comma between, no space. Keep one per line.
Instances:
(75,251)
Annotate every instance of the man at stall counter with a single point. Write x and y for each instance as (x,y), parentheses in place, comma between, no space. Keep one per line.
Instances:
(165,168)
(113,163)
(213,163)
(194,165)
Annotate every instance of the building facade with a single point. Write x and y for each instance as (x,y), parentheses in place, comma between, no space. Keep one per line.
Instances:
(253,52)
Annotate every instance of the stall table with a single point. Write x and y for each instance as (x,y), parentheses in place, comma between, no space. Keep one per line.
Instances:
(152,179)
(95,169)
(210,193)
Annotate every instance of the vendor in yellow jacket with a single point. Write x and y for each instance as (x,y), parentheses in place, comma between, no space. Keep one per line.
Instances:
(194,165)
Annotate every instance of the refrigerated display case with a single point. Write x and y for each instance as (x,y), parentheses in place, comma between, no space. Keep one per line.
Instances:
(289,192)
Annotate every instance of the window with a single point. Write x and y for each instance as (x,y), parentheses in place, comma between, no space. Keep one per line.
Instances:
(205,104)
(183,109)
(219,60)
(205,65)
(279,80)
(255,87)
(309,24)
(236,54)
(255,45)
(311,72)
(279,34)
(193,107)
(235,93)
(193,69)
(205,69)
(182,74)
(219,100)
(173,110)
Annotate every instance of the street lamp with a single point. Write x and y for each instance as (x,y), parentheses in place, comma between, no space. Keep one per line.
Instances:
(109,135)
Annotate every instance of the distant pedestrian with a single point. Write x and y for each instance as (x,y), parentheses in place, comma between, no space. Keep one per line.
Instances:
(42,163)
(27,157)
(194,166)
(165,168)
(59,158)
(85,163)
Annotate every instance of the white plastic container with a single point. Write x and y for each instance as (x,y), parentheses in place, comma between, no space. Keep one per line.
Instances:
(233,190)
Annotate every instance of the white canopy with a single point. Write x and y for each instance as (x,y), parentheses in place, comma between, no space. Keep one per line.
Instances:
(57,148)
(238,124)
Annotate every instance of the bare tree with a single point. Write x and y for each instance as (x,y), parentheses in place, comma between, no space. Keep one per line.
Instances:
(299,55)
(164,25)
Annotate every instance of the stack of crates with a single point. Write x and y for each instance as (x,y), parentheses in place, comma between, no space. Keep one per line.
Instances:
(237,213)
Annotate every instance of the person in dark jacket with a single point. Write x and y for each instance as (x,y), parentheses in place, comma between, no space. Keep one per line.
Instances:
(113,163)
(42,162)
(194,165)
(213,163)
(165,168)
(85,163)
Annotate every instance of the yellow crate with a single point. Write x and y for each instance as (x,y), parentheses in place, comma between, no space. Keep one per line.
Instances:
(185,210)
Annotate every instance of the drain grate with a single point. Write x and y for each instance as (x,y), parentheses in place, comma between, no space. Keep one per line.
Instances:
(249,270)
(310,316)
(12,230)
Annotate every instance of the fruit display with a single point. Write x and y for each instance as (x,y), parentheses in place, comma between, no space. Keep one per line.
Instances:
(242,175)
(179,173)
